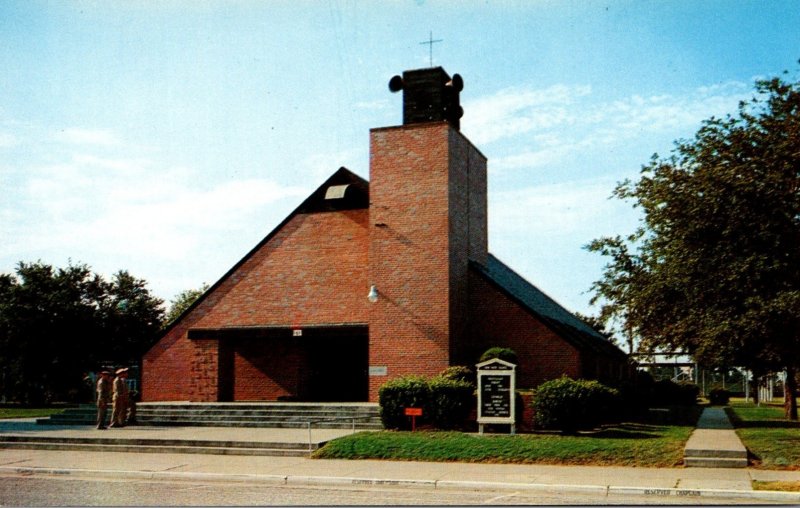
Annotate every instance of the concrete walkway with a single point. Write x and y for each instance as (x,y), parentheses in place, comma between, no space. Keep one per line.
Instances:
(28,427)
(714,443)
(656,486)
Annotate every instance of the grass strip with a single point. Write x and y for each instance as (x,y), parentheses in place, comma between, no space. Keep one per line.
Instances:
(16,412)
(781,486)
(621,445)
(773,441)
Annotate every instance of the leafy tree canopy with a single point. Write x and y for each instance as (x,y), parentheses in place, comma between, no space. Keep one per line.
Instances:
(183,301)
(714,268)
(58,323)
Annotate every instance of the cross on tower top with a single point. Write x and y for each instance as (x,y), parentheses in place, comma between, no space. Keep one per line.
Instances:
(430,42)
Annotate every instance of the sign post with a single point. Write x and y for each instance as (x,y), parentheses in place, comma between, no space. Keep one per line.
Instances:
(496,393)
(413,412)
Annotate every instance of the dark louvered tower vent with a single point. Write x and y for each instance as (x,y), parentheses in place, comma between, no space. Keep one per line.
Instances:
(429,95)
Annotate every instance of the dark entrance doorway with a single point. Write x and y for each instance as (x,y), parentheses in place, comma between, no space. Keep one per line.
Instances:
(315,364)
(338,367)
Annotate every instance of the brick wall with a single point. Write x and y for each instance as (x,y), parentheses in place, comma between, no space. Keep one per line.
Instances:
(496,320)
(468,229)
(312,271)
(268,371)
(420,220)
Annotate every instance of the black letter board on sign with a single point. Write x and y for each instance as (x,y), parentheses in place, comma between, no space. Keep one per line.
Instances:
(496,388)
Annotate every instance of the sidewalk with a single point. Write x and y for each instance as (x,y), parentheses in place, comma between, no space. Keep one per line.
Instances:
(714,443)
(658,485)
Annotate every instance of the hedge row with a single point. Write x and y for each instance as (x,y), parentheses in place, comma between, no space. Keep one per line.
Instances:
(571,404)
(446,400)
(561,404)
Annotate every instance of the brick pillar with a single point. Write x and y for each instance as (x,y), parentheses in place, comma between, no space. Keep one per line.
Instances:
(427,219)
(204,368)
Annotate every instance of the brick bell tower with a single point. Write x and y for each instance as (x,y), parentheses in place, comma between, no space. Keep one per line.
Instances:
(427,221)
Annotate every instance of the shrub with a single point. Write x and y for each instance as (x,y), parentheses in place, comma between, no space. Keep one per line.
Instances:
(719,396)
(669,393)
(502,353)
(446,400)
(634,395)
(460,373)
(688,394)
(400,393)
(451,401)
(568,405)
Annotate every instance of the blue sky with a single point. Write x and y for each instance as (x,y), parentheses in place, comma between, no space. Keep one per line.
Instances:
(168,138)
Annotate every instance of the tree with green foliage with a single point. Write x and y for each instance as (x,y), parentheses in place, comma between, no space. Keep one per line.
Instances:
(182,302)
(132,316)
(57,324)
(714,268)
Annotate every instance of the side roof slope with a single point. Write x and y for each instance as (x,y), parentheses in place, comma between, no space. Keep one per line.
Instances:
(545,308)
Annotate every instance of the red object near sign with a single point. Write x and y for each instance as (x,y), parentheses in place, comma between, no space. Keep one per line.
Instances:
(413,412)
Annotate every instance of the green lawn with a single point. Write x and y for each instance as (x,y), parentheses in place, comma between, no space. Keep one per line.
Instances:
(773,442)
(628,444)
(16,412)
(782,486)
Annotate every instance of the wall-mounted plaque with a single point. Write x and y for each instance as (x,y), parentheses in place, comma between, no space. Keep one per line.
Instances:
(378,370)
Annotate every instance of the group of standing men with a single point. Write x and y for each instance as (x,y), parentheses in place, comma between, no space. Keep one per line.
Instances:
(115,391)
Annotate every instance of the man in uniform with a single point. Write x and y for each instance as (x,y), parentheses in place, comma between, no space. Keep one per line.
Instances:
(132,397)
(120,399)
(103,397)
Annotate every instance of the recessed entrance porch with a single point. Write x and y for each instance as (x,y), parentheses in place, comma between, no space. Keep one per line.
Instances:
(319,364)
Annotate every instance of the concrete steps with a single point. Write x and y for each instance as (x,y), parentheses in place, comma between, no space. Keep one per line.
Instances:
(116,444)
(266,429)
(714,443)
(715,462)
(274,415)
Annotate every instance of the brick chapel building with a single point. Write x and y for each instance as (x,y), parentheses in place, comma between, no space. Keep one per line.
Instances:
(368,281)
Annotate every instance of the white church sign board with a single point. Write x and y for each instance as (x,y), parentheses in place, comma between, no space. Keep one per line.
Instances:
(496,389)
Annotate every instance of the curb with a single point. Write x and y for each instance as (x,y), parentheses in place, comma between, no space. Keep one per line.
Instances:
(659,495)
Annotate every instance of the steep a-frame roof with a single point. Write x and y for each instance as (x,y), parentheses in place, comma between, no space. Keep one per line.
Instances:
(559,319)
(344,190)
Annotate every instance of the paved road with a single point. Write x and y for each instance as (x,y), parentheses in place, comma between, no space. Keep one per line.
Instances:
(304,481)
(20,490)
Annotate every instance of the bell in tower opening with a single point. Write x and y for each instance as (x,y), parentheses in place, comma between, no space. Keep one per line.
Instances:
(429,95)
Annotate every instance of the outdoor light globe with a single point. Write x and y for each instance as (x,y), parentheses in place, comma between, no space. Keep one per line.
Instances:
(373,294)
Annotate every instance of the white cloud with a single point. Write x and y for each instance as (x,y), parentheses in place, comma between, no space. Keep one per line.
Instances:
(531,159)
(546,127)
(136,214)
(636,114)
(168,205)
(120,165)
(8,140)
(515,111)
(541,232)
(80,136)
(578,208)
